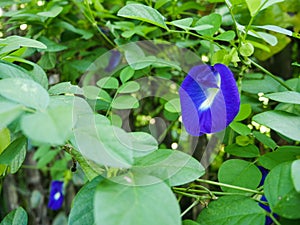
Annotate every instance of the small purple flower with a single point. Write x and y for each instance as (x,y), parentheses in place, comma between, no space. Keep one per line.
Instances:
(114,60)
(209,99)
(56,197)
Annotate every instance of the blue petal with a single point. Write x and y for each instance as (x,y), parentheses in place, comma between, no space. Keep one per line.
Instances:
(264,173)
(209,99)
(114,60)
(56,196)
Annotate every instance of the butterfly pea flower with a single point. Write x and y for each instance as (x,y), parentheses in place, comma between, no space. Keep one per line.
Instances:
(209,99)
(56,196)
(264,173)
(114,60)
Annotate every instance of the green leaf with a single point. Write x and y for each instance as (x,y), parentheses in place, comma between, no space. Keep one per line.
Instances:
(172,166)
(52,126)
(160,3)
(214,20)
(12,43)
(183,23)
(232,210)
(15,217)
(9,111)
(285,123)
(226,36)
(256,83)
(82,211)
(65,88)
(51,45)
(248,151)
(4,139)
(10,70)
(48,60)
(296,174)
(276,28)
(244,113)
(37,73)
(267,3)
(143,13)
(24,91)
(246,49)
(67,26)
(108,83)
(11,152)
(280,192)
(126,74)
(125,102)
(173,106)
(53,12)
(281,155)
(129,87)
(189,222)
(239,173)
(142,143)
(269,38)
(292,97)
(240,128)
(253,6)
(129,201)
(265,140)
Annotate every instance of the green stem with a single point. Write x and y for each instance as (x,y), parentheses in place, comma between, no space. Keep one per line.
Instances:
(274,219)
(270,74)
(206,192)
(190,207)
(229,186)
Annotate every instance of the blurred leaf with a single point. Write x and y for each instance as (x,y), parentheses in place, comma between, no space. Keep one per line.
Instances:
(52,126)
(296,174)
(48,60)
(129,87)
(12,151)
(9,111)
(4,139)
(129,200)
(10,70)
(85,33)
(142,143)
(285,123)
(189,222)
(53,12)
(253,6)
(285,96)
(280,192)
(172,166)
(65,88)
(108,83)
(276,29)
(15,217)
(248,151)
(51,45)
(24,91)
(258,83)
(82,211)
(173,106)
(281,155)
(143,13)
(239,173)
(125,102)
(230,210)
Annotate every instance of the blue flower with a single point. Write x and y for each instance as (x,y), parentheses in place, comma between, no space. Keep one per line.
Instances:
(56,197)
(209,99)
(114,60)
(264,173)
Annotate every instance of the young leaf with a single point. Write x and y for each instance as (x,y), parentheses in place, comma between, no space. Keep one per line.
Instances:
(214,20)
(126,74)
(108,83)
(244,113)
(143,13)
(129,87)
(240,128)
(125,102)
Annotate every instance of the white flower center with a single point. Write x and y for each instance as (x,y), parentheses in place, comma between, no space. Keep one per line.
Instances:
(210,96)
(57,196)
